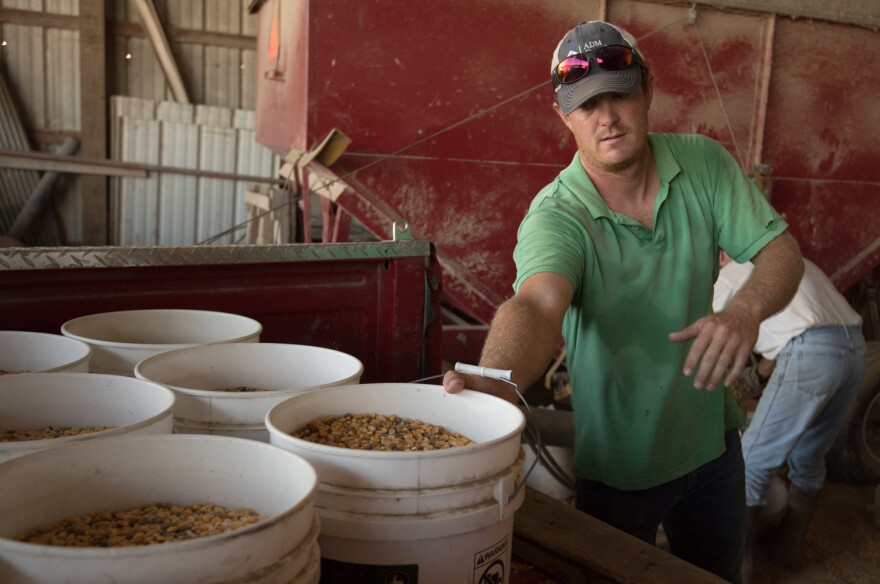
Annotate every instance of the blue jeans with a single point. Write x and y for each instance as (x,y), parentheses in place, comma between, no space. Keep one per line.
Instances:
(703,512)
(803,409)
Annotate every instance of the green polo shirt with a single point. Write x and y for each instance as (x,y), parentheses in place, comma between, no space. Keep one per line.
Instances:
(639,421)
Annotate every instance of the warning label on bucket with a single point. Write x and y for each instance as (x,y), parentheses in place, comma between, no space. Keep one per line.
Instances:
(336,572)
(489,563)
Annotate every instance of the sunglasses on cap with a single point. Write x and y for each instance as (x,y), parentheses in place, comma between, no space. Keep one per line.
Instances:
(575,67)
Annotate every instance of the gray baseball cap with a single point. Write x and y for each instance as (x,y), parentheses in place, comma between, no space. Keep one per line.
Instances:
(587,37)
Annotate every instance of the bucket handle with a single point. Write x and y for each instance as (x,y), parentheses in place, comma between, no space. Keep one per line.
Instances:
(506,491)
(505,375)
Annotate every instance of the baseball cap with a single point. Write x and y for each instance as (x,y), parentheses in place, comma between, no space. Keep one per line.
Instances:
(585,38)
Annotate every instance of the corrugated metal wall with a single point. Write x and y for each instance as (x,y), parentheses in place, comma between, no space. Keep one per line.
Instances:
(175,209)
(213,42)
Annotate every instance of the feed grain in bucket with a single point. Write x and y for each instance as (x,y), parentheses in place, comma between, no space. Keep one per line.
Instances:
(379,432)
(145,525)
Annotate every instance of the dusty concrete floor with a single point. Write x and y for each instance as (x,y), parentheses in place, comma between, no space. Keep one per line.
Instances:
(842,547)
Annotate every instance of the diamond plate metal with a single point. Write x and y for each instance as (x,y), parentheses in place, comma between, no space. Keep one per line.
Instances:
(18,258)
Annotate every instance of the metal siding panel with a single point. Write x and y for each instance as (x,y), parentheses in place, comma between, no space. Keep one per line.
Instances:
(223,16)
(144,76)
(24,55)
(191,62)
(222,77)
(36,5)
(138,197)
(63,74)
(248,79)
(248,20)
(70,7)
(216,198)
(187,15)
(169,111)
(177,193)
(252,159)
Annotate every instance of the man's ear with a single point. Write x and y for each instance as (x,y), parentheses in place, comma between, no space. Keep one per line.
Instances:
(561,115)
(650,93)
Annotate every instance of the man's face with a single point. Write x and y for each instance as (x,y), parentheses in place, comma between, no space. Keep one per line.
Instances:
(611,129)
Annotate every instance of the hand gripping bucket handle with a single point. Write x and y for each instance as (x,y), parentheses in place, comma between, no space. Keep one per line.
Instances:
(505,375)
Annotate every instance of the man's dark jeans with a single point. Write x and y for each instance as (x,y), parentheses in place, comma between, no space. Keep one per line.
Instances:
(703,512)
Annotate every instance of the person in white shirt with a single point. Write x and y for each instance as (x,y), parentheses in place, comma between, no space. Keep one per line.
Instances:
(818,349)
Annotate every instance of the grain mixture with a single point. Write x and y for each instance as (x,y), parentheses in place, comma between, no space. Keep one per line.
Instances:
(379,432)
(49,432)
(240,389)
(148,525)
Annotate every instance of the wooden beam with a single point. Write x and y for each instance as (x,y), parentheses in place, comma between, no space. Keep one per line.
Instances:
(40,19)
(187,36)
(93,118)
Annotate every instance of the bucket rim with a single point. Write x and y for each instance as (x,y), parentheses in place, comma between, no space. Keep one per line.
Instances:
(338,451)
(32,549)
(56,338)
(67,332)
(141,367)
(26,446)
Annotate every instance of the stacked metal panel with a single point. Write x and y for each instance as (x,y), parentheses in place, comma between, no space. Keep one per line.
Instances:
(183,209)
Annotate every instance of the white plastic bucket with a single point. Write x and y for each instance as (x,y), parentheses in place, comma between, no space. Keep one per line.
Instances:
(195,373)
(132,471)
(30,352)
(541,479)
(31,401)
(426,517)
(120,340)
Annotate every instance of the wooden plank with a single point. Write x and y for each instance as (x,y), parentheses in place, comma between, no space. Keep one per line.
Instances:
(188,36)
(562,569)
(93,117)
(41,19)
(572,538)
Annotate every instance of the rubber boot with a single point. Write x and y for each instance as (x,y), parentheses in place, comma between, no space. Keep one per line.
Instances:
(789,551)
(753,515)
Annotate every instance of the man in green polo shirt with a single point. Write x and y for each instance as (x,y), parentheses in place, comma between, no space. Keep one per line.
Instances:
(619,254)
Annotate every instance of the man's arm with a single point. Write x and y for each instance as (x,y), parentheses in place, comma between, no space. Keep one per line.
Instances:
(723,341)
(523,336)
